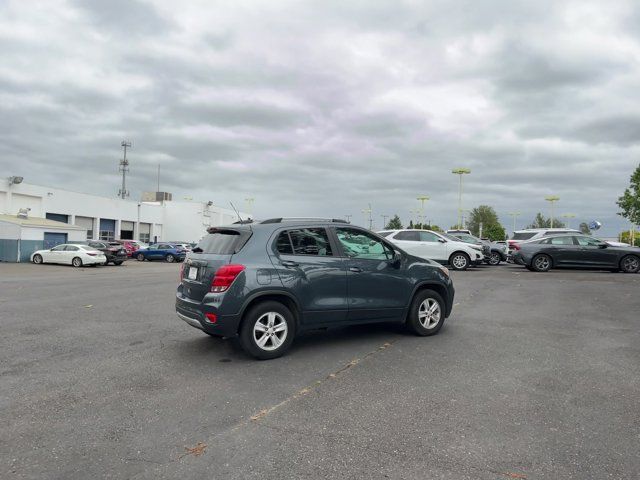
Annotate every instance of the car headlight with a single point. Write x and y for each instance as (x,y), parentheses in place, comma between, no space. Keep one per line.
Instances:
(444,270)
(476,247)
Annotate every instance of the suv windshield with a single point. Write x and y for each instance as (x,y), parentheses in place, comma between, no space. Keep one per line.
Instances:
(222,242)
(522,235)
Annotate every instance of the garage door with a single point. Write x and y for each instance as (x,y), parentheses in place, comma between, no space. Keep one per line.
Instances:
(86,223)
(107,229)
(126,230)
(51,239)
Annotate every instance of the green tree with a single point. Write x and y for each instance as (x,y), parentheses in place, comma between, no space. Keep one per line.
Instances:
(483,214)
(629,202)
(494,232)
(542,222)
(584,228)
(426,226)
(626,237)
(394,224)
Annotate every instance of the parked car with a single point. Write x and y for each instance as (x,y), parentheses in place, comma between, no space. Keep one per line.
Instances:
(162,251)
(113,251)
(268,281)
(536,233)
(131,246)
(187,246)
(576,251)
(68,254)
(436,246)
(487,247)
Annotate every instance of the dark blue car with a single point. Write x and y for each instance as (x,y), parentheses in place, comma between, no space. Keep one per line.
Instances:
(162,251)
(267,281)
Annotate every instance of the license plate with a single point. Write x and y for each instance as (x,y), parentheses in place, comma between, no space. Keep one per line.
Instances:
(193,273)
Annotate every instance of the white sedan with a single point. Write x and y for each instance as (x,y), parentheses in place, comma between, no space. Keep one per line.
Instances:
(440,247)
(76,255)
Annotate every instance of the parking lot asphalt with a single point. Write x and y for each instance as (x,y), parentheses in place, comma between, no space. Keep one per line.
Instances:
(533,376)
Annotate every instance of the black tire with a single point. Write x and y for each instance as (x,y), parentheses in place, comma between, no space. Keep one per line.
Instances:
(541,263)
(140,257)
(420,321)
(459,261)
(170,258)
(628,264)
(119,262)
(76,262)
(494,259)
(37,259)
(274,313)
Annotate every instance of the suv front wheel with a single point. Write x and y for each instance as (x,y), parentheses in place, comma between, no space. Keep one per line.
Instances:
(426,315)
(267,330)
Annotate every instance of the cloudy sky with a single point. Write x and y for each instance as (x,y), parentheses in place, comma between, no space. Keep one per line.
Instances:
(320,108)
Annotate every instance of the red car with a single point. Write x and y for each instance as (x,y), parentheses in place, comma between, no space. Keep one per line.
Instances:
(131,246)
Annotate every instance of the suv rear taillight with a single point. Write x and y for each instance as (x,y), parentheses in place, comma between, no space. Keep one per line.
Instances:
(515,246)
(224,277)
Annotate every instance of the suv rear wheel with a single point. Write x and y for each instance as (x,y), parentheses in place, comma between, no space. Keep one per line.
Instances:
(426,315)
(494,258)
(267,330)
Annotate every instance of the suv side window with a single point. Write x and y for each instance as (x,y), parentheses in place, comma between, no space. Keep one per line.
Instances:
(428,237)
(359,244)
(304,241)
(408,236)
(164,246)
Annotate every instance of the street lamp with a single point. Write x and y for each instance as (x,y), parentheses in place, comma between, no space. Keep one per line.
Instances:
(568,216)
(384,220)
(422,199)
(460,172)
(514,215)
(15,180)
(552,199)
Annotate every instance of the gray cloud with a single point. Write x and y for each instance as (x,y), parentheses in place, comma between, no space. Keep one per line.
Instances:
(321,110)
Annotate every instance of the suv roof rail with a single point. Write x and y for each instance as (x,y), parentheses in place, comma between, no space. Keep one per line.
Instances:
(303,219)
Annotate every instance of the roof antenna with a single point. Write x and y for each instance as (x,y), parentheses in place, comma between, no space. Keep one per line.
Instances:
(239,217)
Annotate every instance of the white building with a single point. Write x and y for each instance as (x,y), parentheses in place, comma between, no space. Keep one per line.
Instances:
(113,218)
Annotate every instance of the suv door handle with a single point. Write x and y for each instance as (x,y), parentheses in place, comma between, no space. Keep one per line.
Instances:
(355,269)
(289,263)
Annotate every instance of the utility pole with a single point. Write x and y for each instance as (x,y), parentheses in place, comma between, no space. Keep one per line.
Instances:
(514,215)
(158,178)
(124,168)
(384,220)
(460,172)
(422,199)
(552,199)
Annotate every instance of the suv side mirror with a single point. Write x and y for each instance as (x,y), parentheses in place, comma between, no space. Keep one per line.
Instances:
(442,240)
(603,245)
(396,259)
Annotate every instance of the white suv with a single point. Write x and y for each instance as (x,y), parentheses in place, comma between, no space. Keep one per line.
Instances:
(436,246)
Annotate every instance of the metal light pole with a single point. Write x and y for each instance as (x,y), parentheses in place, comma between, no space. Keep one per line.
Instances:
(460,172)
(414,212)
(514,215)
(249,205)
(422,199)
(348,218)
(568,216)
(368,212)
(384,220)
(552,199)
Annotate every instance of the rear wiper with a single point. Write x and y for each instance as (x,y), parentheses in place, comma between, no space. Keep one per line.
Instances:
(197,250)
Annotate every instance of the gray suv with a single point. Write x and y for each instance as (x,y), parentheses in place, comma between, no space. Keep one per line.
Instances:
(268,281)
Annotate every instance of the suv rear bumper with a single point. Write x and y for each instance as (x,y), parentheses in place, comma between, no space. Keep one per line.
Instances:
(194,313)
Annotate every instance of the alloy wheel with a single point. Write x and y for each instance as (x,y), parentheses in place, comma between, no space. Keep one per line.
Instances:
(429,313)
(77,262)
(270,331)
(494,259)
(542,263)
(631,264)
(37,259)
(459,262)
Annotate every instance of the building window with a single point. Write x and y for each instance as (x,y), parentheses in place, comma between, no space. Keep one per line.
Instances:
(145,237)
(107,235)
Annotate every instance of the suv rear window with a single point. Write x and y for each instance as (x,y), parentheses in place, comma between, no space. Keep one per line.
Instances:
(522,235)
(222,242)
